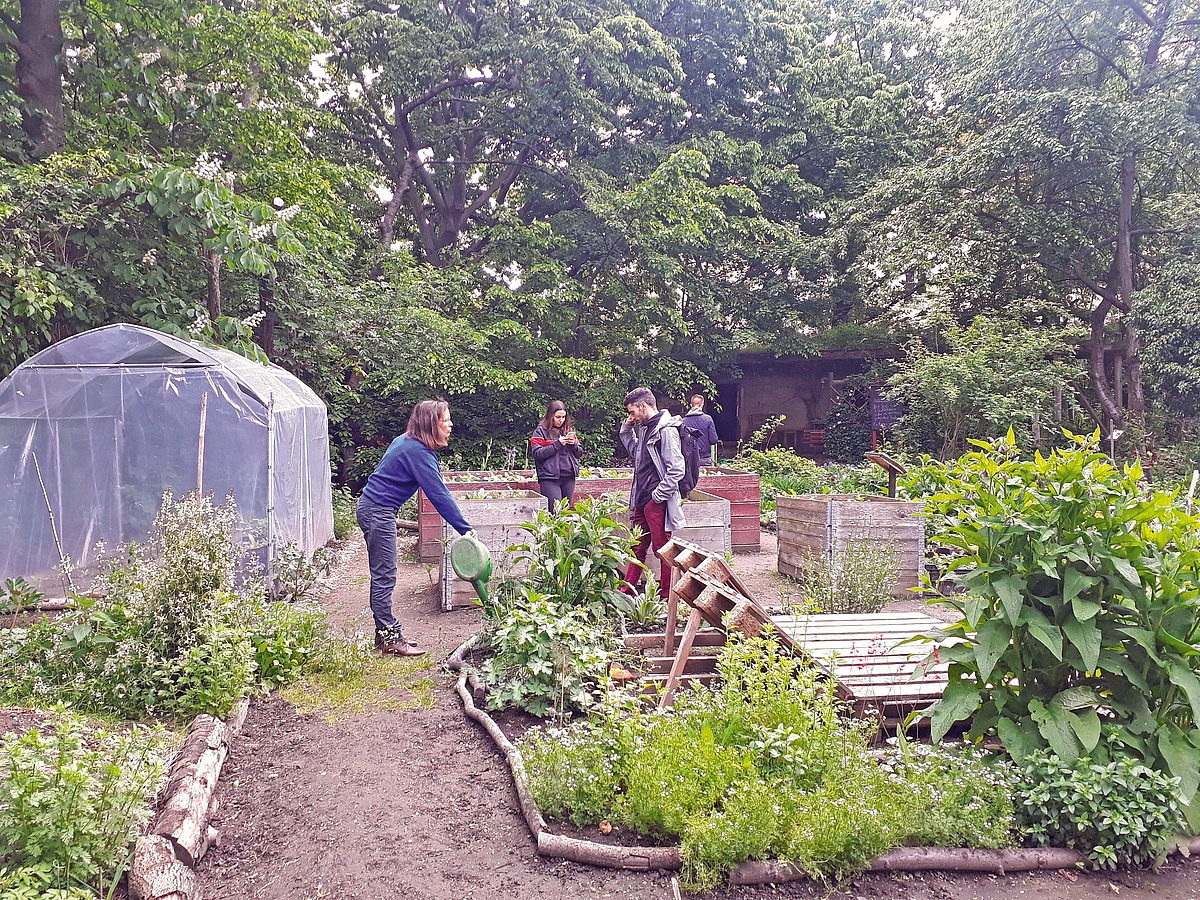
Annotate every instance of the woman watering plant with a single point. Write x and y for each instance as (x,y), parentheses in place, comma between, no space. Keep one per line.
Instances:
(556,451)
(409,463)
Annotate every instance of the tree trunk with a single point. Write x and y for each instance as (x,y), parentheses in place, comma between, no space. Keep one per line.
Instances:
(265,333)
(39,78)
(213,270)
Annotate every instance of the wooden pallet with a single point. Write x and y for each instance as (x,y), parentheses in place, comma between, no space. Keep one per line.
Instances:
(860,652)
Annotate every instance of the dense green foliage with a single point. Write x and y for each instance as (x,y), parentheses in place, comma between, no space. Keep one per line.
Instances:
(551,630)
(763,765)
(505,203)
(72,799)
(1118,813)
(167,634)
(1081,587)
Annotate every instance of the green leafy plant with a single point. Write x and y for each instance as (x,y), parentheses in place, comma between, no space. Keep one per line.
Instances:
(345,516)
(578,556)
(1079,629)
(856,579)
(1119,813)
(545,656)
(72,798)
(165,633)
(294,573)
(763,763)
(19,595)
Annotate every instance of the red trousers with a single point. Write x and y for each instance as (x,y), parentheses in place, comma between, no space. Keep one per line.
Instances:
(653,521)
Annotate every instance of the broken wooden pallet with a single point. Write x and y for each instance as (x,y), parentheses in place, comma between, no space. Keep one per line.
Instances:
(858,653)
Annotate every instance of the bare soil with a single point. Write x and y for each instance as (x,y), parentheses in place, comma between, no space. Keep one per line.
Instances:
(418,803)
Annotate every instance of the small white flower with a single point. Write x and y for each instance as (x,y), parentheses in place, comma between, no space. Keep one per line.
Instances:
(149,57)
(289,213)
(149,258)
(253,320)
(258,232)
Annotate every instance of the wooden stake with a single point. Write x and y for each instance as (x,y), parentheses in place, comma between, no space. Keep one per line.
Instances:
(681,658)
(200,451)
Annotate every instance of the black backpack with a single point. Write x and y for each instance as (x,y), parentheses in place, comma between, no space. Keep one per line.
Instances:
(689,442)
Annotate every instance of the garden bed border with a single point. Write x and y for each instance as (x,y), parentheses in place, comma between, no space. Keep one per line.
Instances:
(165,858)
(898,859)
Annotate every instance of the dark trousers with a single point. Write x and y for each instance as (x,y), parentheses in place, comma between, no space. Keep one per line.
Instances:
(558,489)
(652,518)
(378,524)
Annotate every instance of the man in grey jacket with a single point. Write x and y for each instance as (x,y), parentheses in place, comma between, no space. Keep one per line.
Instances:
(651,437)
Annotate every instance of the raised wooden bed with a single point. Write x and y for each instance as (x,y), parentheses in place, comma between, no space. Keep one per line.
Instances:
(826,523)
(497,522)
(741,489)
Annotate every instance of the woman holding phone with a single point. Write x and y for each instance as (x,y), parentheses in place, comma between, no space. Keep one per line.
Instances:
(556,451)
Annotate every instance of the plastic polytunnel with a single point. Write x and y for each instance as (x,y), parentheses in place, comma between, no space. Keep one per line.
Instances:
(96,427)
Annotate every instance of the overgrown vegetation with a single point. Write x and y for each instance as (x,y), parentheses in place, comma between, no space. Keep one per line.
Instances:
(1117,813)
(763,764)
(550,631)
(858,578)
(73,797)
(1081,594)
(168,634)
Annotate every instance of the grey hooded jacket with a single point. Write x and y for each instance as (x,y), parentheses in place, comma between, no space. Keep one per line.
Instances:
(663,444)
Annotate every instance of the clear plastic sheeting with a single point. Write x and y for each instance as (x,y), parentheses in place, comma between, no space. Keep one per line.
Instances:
(110,419)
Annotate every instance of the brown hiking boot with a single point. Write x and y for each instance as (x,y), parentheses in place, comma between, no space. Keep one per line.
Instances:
(391,642)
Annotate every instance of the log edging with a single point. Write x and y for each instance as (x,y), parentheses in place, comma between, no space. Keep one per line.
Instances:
(165,858)
(898,859)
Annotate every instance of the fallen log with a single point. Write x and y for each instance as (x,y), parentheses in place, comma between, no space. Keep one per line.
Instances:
(156,874)
(610,856)
(516,765)
(925,859)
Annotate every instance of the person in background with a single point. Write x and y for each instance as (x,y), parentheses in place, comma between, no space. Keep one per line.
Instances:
(556,452)
(698,419)
(651,437)
(409,463)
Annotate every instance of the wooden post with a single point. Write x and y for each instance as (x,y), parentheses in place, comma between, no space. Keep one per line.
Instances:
(669,627)
(681,658)
(200,449)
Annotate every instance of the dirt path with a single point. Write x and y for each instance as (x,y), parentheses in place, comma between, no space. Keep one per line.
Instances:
(419,804)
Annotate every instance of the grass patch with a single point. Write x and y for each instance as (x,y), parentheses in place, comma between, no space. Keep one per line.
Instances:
(348,678)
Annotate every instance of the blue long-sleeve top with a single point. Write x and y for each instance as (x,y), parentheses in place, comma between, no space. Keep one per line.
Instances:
(407,465)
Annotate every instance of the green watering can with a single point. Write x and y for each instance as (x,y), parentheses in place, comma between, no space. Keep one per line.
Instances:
(472,561)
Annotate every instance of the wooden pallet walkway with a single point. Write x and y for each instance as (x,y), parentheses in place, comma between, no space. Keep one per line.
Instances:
(860,652)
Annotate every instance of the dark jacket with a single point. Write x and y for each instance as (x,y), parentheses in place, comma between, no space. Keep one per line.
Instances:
(552,459)
(407,465)
(703,423)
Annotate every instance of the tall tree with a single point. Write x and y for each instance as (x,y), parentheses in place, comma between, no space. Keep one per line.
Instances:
(456,102)
(1061,176)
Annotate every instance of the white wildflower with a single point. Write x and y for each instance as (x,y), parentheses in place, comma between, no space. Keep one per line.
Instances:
(289,213)
(258,232)
(150,257)
(149,57)
(253,320)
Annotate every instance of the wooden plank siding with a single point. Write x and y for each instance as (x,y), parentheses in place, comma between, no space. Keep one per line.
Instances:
(827,524)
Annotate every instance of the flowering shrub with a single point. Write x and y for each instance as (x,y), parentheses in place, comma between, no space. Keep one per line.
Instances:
(167,635)
(72,799)
(765,763)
